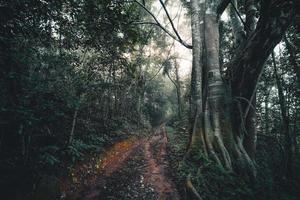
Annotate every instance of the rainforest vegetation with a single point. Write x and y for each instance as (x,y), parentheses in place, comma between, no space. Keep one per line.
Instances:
(154,100)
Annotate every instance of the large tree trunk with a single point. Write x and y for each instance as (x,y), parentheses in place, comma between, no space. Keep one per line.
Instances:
(223,112)
(196,142)
(218,132)
(212,120)
(249,61)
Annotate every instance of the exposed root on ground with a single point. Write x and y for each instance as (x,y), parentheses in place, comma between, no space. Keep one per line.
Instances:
(191,191)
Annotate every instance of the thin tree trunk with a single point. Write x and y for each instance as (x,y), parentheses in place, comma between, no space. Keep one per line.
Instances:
(285,121)
(267,127)
(251,132)
(295,134)
(23,143)
(71,138)
(178,91)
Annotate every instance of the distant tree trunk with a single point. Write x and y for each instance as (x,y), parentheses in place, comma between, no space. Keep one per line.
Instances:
(266,118)
(285,121)
(139,107)
(71,137)
(23,140)
(178,91)
(295,133)
(140,92)
(115,111)
(176,83)
(223,111)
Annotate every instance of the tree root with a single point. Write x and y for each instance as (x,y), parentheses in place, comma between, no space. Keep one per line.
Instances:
(191,190)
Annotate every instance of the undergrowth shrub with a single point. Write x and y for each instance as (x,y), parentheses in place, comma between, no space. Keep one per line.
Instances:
(215,183)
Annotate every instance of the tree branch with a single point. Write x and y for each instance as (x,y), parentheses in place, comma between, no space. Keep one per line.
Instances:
(170,20)
(250,16)
(161,65)
(144,22)
(237,26)
(175,37)
(222,6)
(238,14)
(248,63)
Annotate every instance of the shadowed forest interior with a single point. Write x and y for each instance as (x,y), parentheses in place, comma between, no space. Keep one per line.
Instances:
(150,99)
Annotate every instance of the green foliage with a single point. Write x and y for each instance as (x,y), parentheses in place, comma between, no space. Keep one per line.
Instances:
(75,150)
(81,63)
(58,58)
(271,184)
(79,148)
(212,181)
(155,105)
(48,156)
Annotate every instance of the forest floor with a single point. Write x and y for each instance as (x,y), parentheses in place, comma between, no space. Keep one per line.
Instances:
(130,169)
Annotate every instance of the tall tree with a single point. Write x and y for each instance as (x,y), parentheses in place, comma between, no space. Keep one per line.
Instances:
(224,123)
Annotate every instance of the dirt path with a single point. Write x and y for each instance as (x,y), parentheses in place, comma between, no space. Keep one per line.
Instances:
(157,165)
(135,169)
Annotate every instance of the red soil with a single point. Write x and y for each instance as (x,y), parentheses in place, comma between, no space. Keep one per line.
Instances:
(154,166)
(155,170)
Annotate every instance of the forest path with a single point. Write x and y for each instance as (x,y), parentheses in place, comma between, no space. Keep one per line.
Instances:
(132,169)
